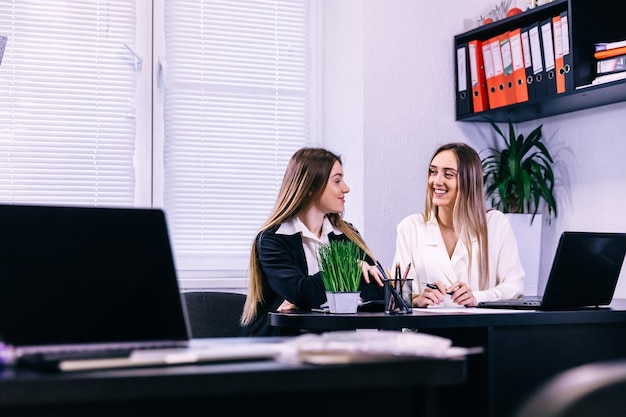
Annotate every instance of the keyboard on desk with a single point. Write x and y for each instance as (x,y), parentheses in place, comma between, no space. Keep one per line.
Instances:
(51,360)
(158,356)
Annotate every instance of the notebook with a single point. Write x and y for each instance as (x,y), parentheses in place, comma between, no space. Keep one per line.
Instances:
(90,284)
(584,273)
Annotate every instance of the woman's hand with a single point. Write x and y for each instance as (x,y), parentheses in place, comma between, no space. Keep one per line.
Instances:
(462,294)
(430,296)
(371,270)
(287,306)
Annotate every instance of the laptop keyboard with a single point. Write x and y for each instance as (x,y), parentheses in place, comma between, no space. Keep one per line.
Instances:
(49,360)
(77,354)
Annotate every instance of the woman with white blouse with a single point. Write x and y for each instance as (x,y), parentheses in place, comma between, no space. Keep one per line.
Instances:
(459,252)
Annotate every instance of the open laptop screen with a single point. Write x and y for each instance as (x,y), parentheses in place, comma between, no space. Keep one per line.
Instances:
(584,273)
(585,270)
(87,275)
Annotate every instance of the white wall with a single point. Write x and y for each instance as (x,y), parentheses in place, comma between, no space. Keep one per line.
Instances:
(342,101)
(407,102)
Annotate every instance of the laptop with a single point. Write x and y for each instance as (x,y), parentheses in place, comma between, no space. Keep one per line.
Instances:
(584,273)
(91,284)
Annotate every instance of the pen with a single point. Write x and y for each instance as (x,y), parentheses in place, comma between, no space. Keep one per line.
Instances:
(406,271)
(434,287)
(394,293)
(405,276)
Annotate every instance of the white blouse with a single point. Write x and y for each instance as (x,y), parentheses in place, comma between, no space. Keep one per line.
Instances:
(421,243)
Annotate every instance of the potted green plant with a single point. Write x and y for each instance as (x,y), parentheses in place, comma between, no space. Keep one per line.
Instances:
(518,176)
(340,267)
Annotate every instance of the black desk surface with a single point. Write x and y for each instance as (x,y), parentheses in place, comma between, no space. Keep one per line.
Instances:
(448,318)
(242,387)
(513,342)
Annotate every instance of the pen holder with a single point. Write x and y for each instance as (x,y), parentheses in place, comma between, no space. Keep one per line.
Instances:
(398,296)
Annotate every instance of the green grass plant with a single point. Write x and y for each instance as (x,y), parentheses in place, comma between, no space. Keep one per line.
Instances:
(340,266)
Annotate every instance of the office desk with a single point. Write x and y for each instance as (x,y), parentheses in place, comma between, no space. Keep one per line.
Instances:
(522,348)
(253,388)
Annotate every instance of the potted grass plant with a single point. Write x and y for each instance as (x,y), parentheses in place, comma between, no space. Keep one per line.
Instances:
(340,266)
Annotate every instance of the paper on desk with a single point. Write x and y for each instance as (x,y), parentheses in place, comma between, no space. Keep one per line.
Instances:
(368,346)
(466,310)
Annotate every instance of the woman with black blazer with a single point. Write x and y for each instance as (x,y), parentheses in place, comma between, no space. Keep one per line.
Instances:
(284,273)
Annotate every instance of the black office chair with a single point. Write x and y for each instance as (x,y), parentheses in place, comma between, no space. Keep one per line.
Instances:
(592,390)
(214,313)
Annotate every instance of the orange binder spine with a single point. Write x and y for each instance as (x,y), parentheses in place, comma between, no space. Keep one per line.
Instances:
(477,76)
(490,79)
(509,96)
(499,98)
(519,69)
(558,54)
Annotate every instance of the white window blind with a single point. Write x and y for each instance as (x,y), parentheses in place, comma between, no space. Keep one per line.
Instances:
(234,102)
(237,99)
(67,116)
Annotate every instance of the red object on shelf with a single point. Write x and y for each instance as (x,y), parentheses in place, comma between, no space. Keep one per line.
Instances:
(513,11)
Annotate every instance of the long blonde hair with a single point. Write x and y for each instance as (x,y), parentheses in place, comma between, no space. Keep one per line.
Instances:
(303,184)
(469,215)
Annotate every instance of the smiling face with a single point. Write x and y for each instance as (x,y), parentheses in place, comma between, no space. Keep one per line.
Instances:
(443,179)
(333,198)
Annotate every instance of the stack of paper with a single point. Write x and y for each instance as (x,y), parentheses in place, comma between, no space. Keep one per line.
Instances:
(369,346)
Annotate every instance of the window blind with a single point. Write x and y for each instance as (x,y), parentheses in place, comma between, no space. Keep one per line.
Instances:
(236,106)
(67,116)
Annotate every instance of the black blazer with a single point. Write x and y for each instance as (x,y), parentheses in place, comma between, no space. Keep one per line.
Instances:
(285,277)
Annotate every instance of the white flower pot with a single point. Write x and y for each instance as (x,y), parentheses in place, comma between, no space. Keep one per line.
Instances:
(528,238)
(343,302)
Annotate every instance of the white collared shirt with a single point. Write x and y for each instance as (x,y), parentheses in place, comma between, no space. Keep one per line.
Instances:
(310,241)
(421,243)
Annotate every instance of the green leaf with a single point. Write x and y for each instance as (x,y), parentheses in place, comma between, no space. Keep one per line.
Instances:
(340,266)
(517,172)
